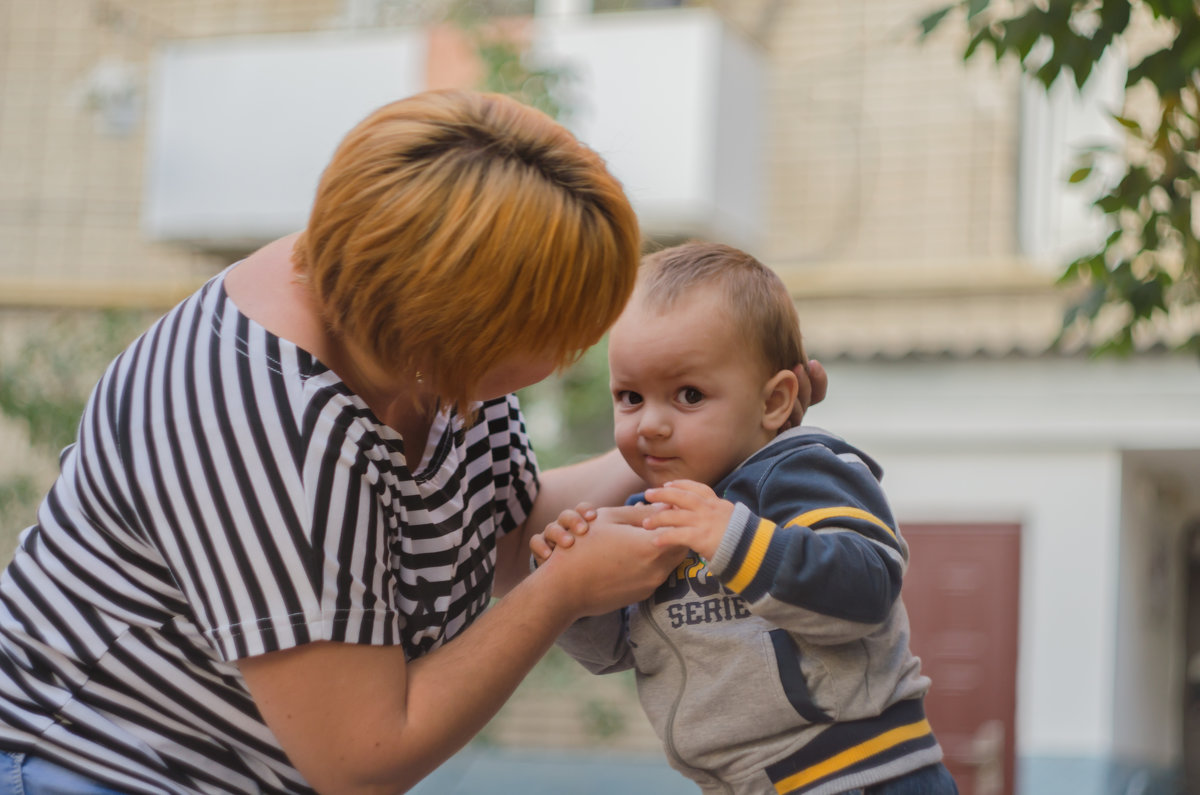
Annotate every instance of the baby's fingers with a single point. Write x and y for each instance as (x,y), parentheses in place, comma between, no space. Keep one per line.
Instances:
(680,537)
(668,516)
(574,521)
(586,510)
(555,535)
(681,493)
(540,549)
(692,486)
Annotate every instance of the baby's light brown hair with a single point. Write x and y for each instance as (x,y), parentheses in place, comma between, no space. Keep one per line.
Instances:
(758,303)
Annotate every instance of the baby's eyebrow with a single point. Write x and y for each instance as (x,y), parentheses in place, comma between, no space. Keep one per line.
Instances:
(680,374)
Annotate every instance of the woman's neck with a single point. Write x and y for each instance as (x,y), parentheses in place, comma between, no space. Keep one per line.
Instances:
(267,289)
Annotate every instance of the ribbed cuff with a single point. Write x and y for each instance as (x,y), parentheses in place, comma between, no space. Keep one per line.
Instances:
(741,522)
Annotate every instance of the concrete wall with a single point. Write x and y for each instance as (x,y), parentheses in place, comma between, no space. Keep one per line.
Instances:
(1159,499)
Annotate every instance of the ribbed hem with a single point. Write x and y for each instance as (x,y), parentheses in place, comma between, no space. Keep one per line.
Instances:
(859,753)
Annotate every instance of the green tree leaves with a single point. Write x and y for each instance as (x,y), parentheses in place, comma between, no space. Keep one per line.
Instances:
(1149,266)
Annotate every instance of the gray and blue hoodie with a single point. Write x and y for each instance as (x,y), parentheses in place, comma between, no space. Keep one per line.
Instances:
(782,665)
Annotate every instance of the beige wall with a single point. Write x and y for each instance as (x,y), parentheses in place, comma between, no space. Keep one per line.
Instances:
(70,179)
(893,186)
(883,150)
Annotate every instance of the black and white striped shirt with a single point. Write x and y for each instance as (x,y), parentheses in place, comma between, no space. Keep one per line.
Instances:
(229,496)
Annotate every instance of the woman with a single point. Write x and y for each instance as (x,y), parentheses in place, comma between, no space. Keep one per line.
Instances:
(300,484)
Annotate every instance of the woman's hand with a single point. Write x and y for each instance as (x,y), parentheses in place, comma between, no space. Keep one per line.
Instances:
(616,563)
(813,383)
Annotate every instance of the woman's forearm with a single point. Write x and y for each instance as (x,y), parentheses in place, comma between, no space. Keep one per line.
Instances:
(359,719)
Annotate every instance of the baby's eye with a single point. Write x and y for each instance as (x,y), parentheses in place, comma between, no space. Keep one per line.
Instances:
(690,396)
(627,398)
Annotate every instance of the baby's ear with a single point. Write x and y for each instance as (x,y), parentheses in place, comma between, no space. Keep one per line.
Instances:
(779,399)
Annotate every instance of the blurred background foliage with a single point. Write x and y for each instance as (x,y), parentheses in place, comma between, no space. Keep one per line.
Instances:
(570,413)
(1149,266)
(47,371)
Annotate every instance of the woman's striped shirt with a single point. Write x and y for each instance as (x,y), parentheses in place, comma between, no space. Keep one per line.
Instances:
(229,496)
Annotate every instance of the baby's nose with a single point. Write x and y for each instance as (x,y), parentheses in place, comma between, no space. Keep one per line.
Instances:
(654,424)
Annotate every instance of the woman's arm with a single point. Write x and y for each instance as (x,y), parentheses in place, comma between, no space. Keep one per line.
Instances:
(360,719)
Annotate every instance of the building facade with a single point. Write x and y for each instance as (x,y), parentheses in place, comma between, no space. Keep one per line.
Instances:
(915,206)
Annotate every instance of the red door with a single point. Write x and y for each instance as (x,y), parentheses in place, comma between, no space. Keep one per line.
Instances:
(961,591)
(1191,665)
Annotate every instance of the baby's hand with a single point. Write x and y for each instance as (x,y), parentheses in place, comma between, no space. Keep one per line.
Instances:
(690,514)
(562,531)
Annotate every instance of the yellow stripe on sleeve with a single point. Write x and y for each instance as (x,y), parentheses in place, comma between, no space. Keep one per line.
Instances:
(850,756)
(754,556)
(812,517)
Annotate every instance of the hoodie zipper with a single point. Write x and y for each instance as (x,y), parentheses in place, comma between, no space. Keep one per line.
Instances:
(669,734)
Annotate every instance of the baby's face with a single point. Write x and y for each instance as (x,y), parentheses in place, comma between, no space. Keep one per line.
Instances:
(689,397)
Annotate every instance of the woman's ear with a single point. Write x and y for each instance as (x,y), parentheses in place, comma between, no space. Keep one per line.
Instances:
(779,399)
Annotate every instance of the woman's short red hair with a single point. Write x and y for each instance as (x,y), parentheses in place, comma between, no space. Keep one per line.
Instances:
(453,229)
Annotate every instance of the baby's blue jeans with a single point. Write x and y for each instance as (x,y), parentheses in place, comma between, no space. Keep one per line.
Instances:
(931,780)
(21,774)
